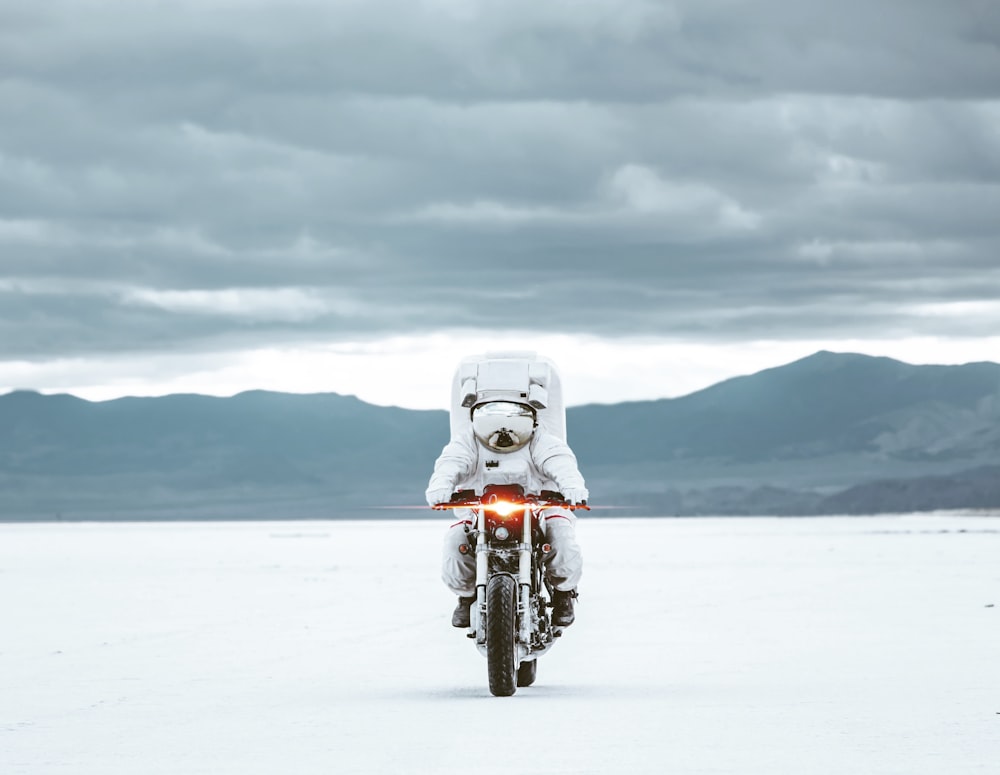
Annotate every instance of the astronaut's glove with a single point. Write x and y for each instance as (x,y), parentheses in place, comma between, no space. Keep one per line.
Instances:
(576,496)
(438,495)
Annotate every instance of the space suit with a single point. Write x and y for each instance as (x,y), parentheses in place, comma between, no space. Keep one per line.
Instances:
(508,427)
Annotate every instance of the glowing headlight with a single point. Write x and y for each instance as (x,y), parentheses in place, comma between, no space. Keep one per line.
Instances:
(504,509)
(501,533)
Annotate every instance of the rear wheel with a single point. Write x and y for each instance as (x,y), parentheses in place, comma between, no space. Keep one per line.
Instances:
(501,626)
(526,673)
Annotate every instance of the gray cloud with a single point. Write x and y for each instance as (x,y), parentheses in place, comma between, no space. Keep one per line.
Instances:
(190,176)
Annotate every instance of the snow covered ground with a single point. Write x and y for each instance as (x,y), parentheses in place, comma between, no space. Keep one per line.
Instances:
(806,646)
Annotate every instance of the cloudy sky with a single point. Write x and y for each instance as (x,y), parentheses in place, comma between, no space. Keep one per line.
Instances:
(303,195)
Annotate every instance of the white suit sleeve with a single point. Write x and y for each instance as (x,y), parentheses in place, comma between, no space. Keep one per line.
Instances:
(456,462)
(556,460)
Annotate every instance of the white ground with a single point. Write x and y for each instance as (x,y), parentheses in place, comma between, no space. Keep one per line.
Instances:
(863,646)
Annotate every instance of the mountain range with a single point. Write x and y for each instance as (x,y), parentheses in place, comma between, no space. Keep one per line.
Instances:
(831,433)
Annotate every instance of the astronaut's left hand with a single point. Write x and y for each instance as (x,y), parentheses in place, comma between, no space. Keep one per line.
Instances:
(576,496)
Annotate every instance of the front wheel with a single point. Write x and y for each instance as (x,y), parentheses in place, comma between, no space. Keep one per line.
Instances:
(501,627)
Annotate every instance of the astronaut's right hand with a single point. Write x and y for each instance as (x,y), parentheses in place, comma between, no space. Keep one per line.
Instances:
(438,495)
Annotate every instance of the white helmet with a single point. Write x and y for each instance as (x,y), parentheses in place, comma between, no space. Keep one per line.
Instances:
(503,426)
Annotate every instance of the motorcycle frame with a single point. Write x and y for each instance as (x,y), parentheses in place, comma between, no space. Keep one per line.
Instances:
(535,633)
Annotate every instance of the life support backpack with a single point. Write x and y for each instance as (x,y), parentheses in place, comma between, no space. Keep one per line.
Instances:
(521,377)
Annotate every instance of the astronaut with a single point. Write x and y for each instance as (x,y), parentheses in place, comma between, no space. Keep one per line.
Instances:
(505,443)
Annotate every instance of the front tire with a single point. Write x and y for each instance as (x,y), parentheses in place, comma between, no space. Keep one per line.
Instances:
(501,627)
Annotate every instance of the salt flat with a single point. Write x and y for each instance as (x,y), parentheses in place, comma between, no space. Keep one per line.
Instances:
(762,645)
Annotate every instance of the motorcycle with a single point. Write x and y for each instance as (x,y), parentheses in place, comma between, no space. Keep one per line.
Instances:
(510,619)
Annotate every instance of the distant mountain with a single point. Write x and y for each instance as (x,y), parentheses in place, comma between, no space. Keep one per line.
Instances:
(825,404)
(255,454)
(818,425)
(978,488)
(831,432)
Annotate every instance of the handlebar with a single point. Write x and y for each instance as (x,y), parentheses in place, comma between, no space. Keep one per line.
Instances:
(467,499)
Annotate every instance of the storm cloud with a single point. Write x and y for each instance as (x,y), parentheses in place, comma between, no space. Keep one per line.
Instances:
(197,176)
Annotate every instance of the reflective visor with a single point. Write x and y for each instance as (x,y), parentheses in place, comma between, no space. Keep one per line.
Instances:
(503,426)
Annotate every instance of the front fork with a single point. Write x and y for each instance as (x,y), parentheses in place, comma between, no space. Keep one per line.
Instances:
(482,575)
(524,583)
(523,580)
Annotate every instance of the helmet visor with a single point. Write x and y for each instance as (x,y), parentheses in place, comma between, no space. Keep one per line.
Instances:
(503,426)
